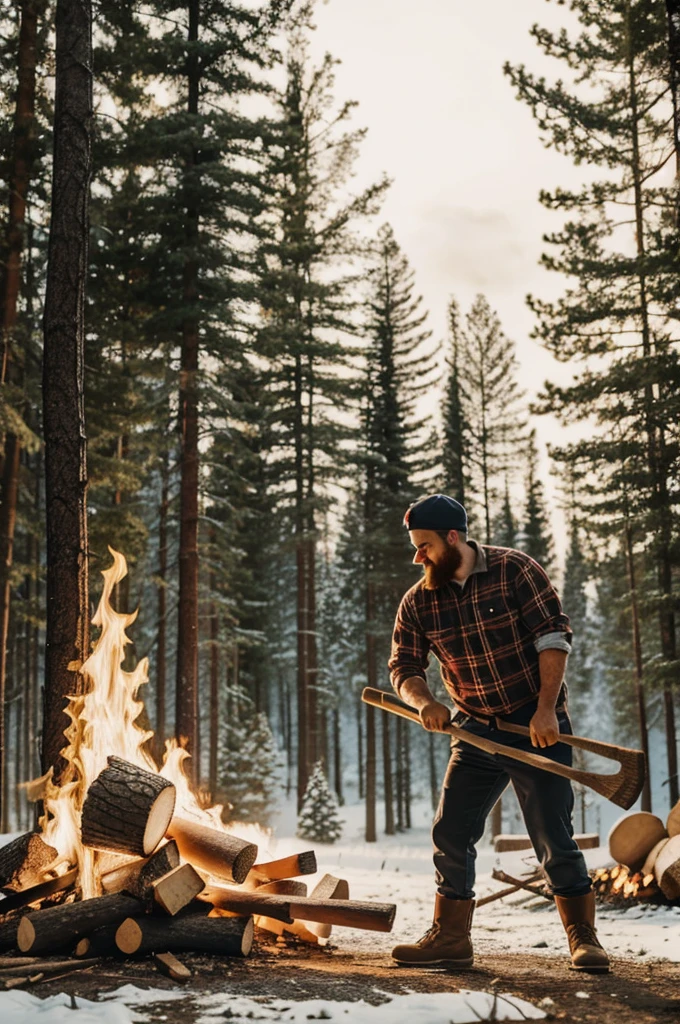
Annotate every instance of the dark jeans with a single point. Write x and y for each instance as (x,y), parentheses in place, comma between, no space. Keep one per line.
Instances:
(475,780)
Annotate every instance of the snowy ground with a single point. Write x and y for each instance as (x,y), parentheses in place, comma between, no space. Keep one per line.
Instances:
(395,869)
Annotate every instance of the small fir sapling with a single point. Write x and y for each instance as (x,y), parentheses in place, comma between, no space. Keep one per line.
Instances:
(319,820)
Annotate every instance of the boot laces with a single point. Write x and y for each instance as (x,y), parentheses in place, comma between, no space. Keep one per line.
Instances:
(430,934)
(582,934)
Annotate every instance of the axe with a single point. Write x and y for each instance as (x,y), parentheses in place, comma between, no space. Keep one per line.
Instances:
(622,788)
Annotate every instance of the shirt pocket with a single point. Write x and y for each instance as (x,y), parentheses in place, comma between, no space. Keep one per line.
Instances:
(495,613)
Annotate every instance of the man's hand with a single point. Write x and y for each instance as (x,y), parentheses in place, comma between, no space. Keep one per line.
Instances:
(435,716)
(544,727)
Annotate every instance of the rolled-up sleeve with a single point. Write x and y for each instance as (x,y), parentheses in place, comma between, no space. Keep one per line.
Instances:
(410,647)
(541,610)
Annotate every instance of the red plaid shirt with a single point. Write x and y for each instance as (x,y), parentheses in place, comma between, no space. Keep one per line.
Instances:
(486,636)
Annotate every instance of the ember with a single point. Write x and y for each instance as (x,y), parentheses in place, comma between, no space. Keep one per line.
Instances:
(131,862)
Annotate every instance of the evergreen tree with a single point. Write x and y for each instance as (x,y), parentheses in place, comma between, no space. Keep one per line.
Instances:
(307,322)
(612,318)
(505,529)
(318,820)
(250,766)
(537,538)
(490,399)
(455,433)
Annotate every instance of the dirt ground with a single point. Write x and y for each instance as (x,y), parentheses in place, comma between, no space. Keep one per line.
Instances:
(633,993)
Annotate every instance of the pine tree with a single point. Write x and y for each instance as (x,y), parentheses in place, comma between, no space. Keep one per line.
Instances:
(305,289)
(490,400)
(612,318)
(455,433)
(318,820)
(505,528)
(537,538)
(250,766)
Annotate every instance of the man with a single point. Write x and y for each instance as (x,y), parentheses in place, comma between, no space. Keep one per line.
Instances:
(494,621)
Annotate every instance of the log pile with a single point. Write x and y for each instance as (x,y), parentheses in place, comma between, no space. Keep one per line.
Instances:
(647,855)
(171,886)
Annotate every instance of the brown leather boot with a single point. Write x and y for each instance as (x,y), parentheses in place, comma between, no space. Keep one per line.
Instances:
(447,941)
(578,918)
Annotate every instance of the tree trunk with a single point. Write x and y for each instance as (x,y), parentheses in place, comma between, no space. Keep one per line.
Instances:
(371,680)
(186,702)
(387,777)
(337,757)
(434,782)
(399,774)
(20,170)
(214,692)
(646,801)
(673,11)
(161,665)
(360,750)
(67,618)
(407,776)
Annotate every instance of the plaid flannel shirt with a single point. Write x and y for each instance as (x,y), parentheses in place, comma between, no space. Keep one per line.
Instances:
(486,635)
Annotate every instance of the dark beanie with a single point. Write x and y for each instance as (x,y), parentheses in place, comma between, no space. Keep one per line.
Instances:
(436,512)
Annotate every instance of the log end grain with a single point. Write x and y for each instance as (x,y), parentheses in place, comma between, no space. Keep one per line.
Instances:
(633,836)
(25,934)
(673,823)
(171,967)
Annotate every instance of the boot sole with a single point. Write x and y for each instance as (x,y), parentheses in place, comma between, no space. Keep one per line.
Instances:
(460,964)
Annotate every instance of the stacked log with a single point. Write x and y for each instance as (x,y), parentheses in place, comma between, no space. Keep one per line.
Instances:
(160,891)
(647,852)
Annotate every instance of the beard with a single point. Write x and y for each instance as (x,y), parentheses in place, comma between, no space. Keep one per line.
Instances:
(436,574)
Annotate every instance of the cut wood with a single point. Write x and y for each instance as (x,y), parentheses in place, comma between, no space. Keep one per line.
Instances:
(127,809)
(39,892)
(171,967)
(8,933)
(23,861)
(286,867)
(648,866)
(101,942)
(18,982)
(175,890)
(329,888)
(298,928)
(225,936)
(45,967)
(53,929)
(284,887)
(220,854)
(673,822)
(138,876)
(507,842)
(346,913)
(521,883)
(667,869)
(633,836)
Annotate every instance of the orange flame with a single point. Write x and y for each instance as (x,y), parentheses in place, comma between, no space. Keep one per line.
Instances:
(104,722)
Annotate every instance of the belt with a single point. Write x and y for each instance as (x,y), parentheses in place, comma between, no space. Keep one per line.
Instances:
(466,716)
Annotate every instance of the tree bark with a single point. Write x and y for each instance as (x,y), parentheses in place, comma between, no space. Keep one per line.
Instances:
(337,757)
(20,171)
(646,799)
(371,679)
(162,606)
(67,620)
(186,701)
(388,786)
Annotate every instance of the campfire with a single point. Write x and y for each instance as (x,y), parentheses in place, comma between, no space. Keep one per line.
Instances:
(130,862)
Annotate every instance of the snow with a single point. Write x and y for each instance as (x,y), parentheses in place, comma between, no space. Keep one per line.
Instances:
(395,869)
(464,1007)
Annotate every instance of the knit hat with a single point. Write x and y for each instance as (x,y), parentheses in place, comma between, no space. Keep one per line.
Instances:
(436,512)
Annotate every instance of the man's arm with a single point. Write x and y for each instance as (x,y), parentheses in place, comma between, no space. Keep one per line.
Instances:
(544,726)
(433,714)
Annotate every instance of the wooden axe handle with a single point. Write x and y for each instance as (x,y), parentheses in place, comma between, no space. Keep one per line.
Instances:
(623,788)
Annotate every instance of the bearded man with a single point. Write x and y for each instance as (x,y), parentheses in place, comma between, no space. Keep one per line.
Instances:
(494,621)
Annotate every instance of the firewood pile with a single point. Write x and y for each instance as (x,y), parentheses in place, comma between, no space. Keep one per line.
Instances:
(647,855)
(168,885)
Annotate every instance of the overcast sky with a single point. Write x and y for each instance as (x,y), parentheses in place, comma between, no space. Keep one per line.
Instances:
(464,154)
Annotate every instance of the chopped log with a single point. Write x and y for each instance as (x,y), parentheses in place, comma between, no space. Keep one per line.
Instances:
(44,967)
(175,890)
(286,867)
(39,891)
(18,982)
(673,822)
(650,861)
(505,843)
(633,836)
(667,869)
(53,929)
(23,861)
(329,888)
(284,887)
(224,936)
(297,928)
(170,966)
(346,913)
(138,876)
(8,934)
(99,943)
(16,961)
(220,854)
(127,809)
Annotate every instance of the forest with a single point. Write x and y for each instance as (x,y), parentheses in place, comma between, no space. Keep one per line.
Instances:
(217,362)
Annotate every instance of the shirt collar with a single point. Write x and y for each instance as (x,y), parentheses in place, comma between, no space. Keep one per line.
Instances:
(479,566)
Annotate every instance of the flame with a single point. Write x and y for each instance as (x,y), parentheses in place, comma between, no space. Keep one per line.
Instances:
(104,722)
